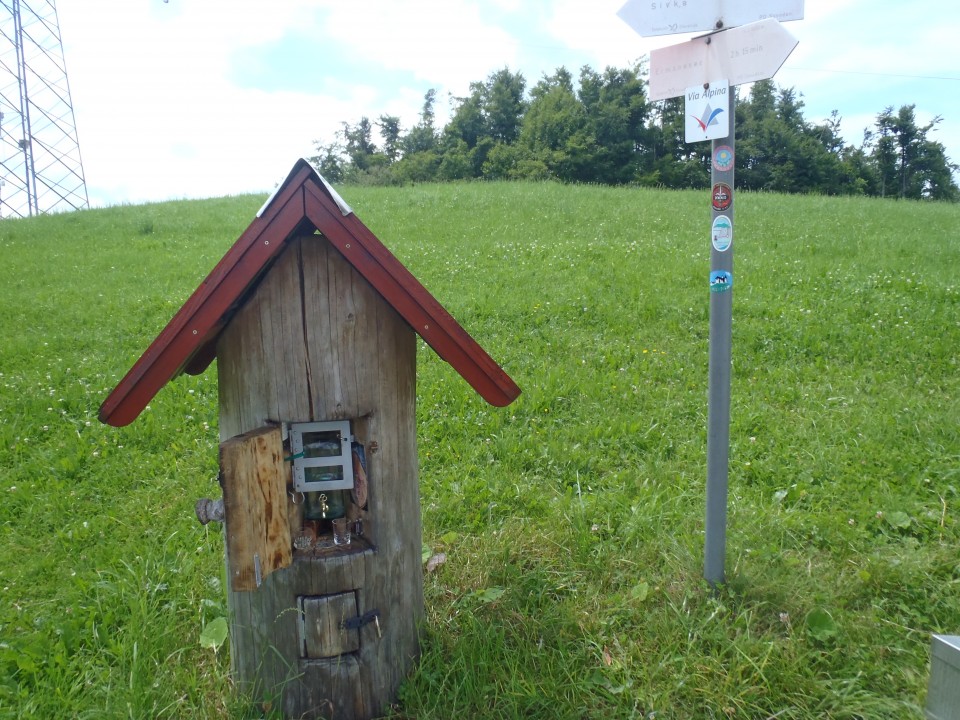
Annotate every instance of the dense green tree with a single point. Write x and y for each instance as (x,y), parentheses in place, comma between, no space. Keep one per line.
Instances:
(909,163)
(467,123)
(616,107)
(845,170)
(421,155)
(555,130)
(777,149)
(601,128)
(423,136)
(504,105)
(329,161)
(417,167)
(363,162)
(670,161)
(502,162)
(358,142)
(937,173)
(457,162)
(389,126)
(860,167)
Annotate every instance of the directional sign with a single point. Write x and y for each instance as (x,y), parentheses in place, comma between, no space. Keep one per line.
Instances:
(668,17)
(741,55)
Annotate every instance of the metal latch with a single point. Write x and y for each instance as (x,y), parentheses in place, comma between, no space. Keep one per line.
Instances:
(355,623)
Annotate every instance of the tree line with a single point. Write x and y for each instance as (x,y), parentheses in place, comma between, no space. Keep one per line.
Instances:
(603,129)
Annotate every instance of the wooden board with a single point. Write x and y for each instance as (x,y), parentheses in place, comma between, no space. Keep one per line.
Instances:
(323,632)
(255,504)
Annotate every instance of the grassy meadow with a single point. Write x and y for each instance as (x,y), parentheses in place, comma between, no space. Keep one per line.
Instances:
(572,520)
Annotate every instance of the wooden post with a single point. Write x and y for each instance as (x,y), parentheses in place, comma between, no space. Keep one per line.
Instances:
(316,342)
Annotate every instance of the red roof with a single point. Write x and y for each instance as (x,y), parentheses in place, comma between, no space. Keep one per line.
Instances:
(303,203)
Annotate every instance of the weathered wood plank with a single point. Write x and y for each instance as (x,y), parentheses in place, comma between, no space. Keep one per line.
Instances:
(289,348)
(324,633)
(332,689)
(394,498)
(255,502)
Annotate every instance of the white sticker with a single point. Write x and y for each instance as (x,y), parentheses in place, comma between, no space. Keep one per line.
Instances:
(722,233)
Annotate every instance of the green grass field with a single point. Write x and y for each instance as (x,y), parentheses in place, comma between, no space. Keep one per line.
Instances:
(572,520)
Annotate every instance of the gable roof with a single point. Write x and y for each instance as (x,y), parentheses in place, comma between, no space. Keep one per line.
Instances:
(304,202)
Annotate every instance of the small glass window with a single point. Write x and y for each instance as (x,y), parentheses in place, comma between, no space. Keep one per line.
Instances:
(322,457)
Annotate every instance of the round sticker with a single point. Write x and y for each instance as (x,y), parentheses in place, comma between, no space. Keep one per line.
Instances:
(722,233)
(721,281)
(722,197)
(723,158)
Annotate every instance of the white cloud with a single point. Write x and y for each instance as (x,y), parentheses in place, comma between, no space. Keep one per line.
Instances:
(442,42)
(595,30)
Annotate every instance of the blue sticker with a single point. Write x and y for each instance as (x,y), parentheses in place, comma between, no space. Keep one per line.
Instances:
(722,233)
(721,281)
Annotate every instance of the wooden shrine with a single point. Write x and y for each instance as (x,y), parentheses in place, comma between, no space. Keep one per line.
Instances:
(313,323)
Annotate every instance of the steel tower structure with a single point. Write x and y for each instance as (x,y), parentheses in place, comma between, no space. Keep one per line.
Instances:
(40,166)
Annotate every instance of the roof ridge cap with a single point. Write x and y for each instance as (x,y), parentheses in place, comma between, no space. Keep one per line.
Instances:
(345,208)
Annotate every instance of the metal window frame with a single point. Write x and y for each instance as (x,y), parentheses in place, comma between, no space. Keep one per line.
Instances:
(300,463)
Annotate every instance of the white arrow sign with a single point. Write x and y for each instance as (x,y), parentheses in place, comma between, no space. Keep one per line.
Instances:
(740,55)
(669,17)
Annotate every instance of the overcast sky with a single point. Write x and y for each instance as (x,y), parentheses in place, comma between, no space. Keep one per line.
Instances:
(203,98)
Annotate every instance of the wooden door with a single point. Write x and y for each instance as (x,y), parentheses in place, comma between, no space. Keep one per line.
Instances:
(254,480)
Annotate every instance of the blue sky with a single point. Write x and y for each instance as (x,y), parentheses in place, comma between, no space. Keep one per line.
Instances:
(202,98)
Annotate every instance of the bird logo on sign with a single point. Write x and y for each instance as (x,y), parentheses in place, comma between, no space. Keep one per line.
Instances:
(709,118)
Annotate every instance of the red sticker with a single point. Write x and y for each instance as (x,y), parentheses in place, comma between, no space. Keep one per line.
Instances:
(722,197)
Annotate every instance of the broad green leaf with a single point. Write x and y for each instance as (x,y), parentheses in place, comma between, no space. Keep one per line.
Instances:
(214,633)
(898,519)
(641,591)
(820,624)
(490,595)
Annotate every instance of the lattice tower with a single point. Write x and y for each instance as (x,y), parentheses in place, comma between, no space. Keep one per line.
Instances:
(40,166)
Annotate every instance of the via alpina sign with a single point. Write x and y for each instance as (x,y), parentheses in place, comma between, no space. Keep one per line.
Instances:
(739,55)
(669,17)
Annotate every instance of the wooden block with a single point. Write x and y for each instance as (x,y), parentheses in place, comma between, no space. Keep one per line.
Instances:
(255,504)
(323,636)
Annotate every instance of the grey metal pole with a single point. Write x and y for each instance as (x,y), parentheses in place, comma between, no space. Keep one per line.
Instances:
(721,311)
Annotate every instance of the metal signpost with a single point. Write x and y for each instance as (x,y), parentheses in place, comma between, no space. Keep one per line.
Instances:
(704,70)
(718,388)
